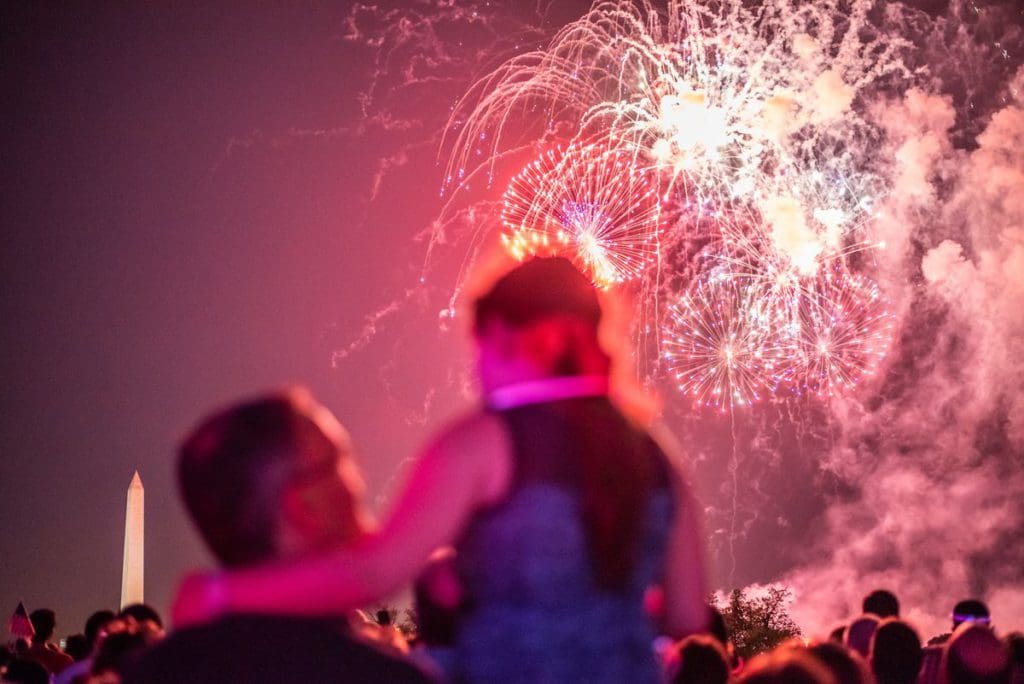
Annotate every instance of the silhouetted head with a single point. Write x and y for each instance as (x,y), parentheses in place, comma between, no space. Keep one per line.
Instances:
(882,603)
(859,633)
(539,320)
(77,647)
(117,651)
(269,478)
(838,635)
(786,666)
(845,665)
(701,659)
(896,653)
(971,610)
(44,621)
(974,655)
(95,623)
(143,617)
(24,671)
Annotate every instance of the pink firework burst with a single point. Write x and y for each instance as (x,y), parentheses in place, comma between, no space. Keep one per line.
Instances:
(589,203)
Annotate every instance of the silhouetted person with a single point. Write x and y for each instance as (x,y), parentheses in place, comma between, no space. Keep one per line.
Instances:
(975,655)
(77,646)
(269,480)
(142,617)
(882,603)
(786,666)
(859,633)
(845,665)
(1015,648)
(94,626)
(44,621)
(972,611)
(117,652)
(25,671)
(699,659)
(896,653)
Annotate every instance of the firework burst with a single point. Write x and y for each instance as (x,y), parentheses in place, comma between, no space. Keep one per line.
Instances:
(589,203)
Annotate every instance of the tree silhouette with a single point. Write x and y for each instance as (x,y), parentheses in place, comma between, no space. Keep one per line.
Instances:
(758,623)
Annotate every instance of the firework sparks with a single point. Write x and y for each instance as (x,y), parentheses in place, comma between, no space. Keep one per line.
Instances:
(589,203)
(737,115)
(718,349)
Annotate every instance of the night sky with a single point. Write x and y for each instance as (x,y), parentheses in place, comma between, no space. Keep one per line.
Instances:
(201,204)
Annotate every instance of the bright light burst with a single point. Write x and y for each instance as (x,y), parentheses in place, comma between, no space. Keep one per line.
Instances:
(588,203)
(718,349)
(727,114)
(843,333)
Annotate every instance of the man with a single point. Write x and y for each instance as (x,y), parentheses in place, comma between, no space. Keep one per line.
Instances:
(270,480)
(968,611)
(882,603)
(44,621)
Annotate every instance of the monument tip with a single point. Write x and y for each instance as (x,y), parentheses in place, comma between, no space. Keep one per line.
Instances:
(136,480)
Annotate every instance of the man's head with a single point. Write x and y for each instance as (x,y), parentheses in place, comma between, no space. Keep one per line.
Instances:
(142,617)
(895,652)
(974,655)
(539,320)
(44,621)
(702,660)
(882,603)
(269,478)
(971,610)
(96,622)
(859,633)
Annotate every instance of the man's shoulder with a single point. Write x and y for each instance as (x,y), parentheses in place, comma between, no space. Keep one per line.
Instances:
(268,648)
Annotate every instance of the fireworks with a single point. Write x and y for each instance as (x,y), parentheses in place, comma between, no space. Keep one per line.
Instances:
(589,203)
(724,114)
(843,333)
(718,350)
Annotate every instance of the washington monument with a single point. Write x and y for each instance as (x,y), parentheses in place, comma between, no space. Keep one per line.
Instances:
(131,570)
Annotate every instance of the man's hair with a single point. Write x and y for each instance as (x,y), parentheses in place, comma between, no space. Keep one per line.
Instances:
(233,468)
(974,655)
(859,634)
(141,612)
(970,610)
(95,623)
(44,621)
(77,647)
(537,289)
(882,603)
(702,660)
(845,665)
(896,653)
(786,666)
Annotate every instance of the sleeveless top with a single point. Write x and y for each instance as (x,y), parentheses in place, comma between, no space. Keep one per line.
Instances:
(536,611)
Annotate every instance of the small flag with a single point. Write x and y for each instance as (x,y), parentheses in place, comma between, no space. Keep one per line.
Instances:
(19,625)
